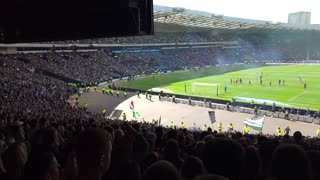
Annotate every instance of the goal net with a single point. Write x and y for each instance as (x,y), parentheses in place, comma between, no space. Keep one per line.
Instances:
(204,88)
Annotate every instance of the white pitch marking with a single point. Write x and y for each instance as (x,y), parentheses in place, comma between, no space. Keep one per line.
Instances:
(298,95)
(243,94)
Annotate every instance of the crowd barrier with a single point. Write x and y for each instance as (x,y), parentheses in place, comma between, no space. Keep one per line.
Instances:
(292,117)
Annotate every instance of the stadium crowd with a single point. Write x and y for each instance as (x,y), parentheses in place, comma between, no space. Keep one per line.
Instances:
(102,65)
(158,37)
(43,136)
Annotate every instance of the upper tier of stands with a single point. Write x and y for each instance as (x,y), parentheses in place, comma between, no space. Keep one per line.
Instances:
(158,37)
(101,65)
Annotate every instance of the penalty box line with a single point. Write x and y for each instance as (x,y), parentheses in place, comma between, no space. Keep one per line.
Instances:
(298,95)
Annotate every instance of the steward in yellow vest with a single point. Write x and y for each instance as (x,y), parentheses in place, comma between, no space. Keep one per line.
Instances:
(182,125)
(171,124)
(246,130)
(279,132)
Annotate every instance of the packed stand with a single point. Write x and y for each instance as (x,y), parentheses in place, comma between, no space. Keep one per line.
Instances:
(103,65)
(26,95)
(43,137)
(279,53)
(158,37)
(115,149)
(206,56)
(150,62)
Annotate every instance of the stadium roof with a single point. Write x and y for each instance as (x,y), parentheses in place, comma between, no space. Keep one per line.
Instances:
(179,21)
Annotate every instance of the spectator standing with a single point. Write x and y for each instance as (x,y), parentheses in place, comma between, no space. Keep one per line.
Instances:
(287,130)
(93,154)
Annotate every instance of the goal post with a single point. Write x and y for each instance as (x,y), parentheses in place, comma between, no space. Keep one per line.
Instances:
(204,88)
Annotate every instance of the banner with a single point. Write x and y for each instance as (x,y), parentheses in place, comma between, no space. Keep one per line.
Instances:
(255,123)
(212,116)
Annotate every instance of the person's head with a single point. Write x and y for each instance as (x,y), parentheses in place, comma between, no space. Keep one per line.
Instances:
(42,166)
(43,123)
(3,145)
(148,160)
(204,134)
(297,136)
(289,162)
(137,127)
(181,139)
(118,134)
(17,131)
(33,123)
(93,151)
(129,170)
(191,168)
(224,157)
(252,163)
(151,138)
(172,134)
(199,148)
(172,148)
(286,137)
(189,139)
(45,140)
(111,131)
(208,138)
(161,170)
(159,132)
(14,159)
(314,157)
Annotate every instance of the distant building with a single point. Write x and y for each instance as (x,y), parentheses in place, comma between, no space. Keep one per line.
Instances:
(301,18)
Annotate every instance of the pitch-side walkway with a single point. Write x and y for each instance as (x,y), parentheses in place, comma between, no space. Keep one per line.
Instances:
(169,111)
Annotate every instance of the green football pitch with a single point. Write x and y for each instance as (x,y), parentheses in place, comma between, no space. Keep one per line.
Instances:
(205,82)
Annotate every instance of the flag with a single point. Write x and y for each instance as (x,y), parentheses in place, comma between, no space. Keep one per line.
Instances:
(255,123)
(135,114)
(159,121)
(131,105)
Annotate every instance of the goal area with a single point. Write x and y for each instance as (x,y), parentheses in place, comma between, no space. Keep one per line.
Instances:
(204,88)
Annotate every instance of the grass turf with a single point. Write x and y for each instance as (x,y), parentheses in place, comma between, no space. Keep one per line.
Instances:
(292,93)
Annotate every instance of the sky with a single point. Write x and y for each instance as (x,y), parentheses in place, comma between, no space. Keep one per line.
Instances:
(268,10)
